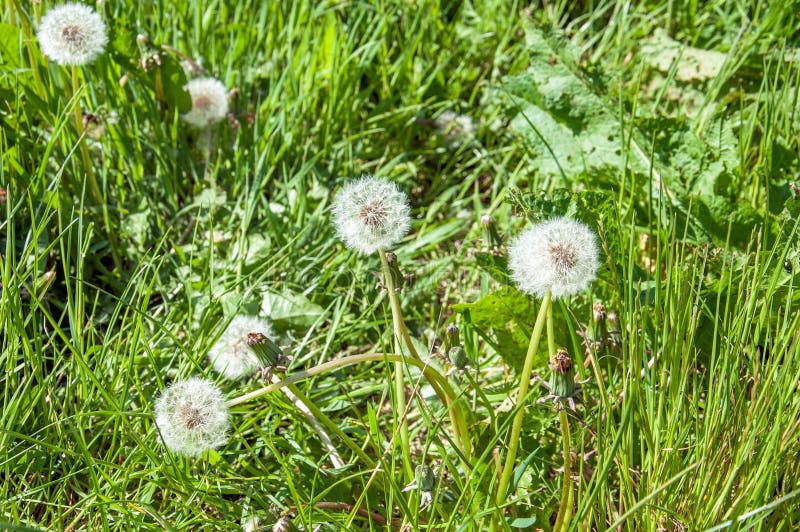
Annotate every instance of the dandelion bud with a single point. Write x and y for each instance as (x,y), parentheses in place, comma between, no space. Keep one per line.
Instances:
(266,351)
(142,41)
(209,102)
(458,357)
(231,355)
(72,34)
(562,376)
(192,416)
(451,338)
(426,479)
(490,235)
(371,214)
(599,312)
(559,256)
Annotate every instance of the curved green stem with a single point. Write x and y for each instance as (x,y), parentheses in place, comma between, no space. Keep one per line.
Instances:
(565,506)
(430,373)
(449,399)
(400,329)
(522,392)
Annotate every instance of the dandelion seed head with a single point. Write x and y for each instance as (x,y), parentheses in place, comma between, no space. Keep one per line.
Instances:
(72,34)
(192,416)
(230,355)
(559,255)
(209,102)
(371,213)
(456,128)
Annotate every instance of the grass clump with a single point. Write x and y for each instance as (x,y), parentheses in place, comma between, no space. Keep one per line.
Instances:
(411,376)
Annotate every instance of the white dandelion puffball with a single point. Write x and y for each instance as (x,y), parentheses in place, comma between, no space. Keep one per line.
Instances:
(455,126)
(371,213)
(230,355)
(559,255)
(209,102)
(72,34)
(192,416)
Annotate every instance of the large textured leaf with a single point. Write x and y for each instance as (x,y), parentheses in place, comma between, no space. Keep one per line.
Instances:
(567,128)
(287,309)
(558,108)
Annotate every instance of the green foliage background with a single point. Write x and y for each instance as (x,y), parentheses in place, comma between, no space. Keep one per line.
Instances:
(670,127)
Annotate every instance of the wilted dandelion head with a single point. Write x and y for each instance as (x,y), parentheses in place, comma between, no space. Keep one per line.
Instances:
(72,34)
(230,355)
(559,255)
(192,416)
(371,213)
(209,102)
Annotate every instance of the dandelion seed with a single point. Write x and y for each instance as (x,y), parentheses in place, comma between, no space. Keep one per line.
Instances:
(371,214)
(559,255)
(192,416)
(72,34)
(230,355)
(209,102)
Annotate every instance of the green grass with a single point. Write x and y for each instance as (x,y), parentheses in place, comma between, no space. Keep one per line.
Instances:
(103,304)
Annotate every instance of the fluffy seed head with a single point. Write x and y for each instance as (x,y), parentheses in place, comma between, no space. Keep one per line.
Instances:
(209,102)
(230,355)
(371,214)
(192,416)
(72,34)
(455,127)
(559,255)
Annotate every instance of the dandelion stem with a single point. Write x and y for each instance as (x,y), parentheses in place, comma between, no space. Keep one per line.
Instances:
(457,419)
(430,374)
(94,189)
(522,392)
(400,329)
(399,378)
(565,506)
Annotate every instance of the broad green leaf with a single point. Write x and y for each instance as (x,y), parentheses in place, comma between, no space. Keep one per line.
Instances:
(566,126)
(287,309)
(509,315)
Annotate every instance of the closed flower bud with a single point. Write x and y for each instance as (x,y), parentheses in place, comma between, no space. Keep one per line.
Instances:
(562,376)
(425,477)
(458,357)
(451,338)
(490,235)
